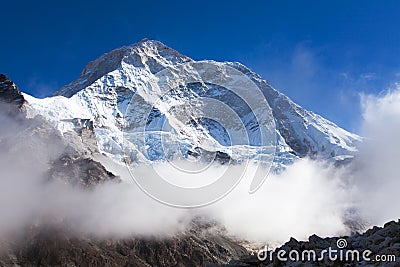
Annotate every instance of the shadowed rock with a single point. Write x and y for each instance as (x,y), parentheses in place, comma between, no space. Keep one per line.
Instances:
(9,92)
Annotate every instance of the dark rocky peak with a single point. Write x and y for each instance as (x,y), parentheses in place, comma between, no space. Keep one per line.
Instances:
(9,92)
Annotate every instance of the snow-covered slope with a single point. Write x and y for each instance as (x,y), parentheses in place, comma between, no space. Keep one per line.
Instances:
(117,91)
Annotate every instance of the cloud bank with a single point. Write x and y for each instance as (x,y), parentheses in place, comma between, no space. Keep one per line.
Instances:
(377,166)
(309,197)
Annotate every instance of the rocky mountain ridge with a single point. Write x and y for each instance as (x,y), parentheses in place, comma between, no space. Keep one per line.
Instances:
(383,242)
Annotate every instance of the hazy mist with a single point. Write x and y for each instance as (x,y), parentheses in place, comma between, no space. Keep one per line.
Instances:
(309,197)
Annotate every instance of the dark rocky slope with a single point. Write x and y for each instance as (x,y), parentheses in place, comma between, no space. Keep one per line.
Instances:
(54,246)
(9,92)
(381,241)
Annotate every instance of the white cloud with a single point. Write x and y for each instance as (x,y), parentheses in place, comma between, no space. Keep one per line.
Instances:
(377,165)
(368,76)
(310,197)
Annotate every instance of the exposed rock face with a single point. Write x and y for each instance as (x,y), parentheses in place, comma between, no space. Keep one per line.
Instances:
(221,157)
(201,246)
(379,240)
(9,92)
(52,246)
(79,171)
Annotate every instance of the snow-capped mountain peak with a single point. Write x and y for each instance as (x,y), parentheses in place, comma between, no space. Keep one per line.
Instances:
(149,54)
(116,92)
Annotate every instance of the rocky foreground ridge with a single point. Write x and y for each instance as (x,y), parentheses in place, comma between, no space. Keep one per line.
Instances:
(383,242)
(201,246)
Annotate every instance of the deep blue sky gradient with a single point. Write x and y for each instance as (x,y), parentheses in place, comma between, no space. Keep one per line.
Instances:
(321,54)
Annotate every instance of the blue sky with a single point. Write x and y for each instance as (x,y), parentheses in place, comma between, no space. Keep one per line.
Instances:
(321,54)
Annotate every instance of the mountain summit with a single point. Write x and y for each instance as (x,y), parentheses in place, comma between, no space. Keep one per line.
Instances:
(150,55)
(114,91)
